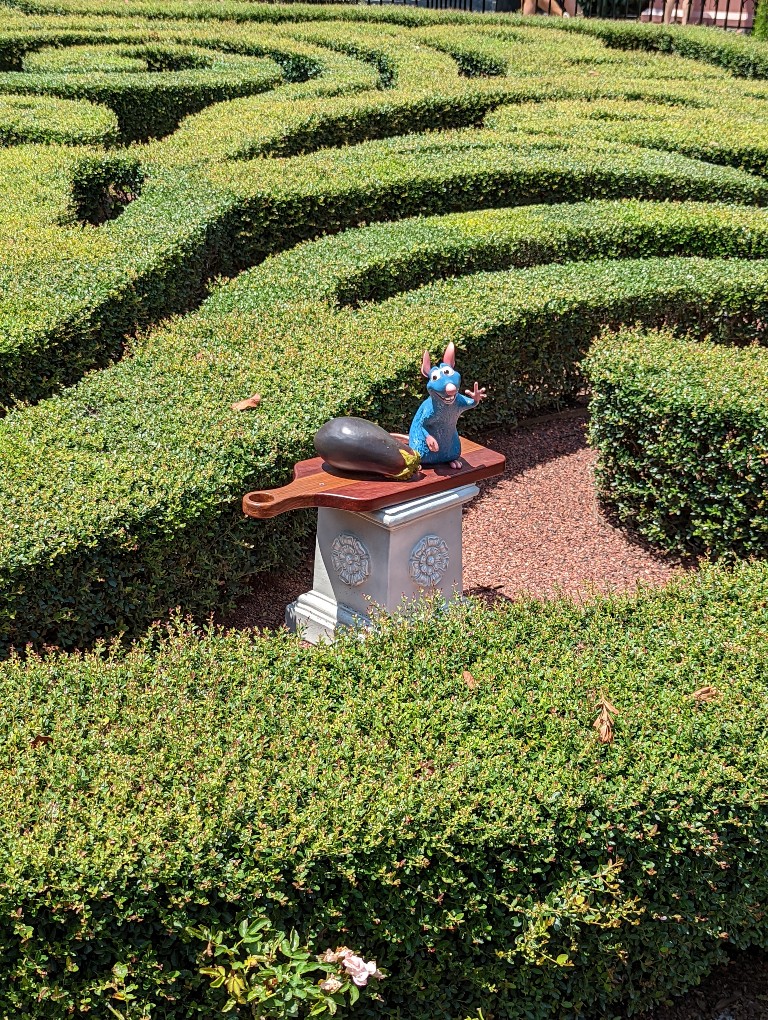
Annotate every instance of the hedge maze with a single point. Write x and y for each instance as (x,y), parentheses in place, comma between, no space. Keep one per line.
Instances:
(205,199)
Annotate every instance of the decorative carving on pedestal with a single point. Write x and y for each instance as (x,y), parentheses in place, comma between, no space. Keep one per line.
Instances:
(429,560)
(351,560)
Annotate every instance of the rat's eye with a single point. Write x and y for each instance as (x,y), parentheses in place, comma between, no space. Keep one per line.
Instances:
(446,370)
(435,376)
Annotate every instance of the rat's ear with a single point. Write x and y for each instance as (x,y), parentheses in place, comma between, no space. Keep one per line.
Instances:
(426,364)
(449,355)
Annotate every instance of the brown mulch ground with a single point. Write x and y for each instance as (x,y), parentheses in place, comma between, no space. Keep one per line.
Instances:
(738,990)
(537,531)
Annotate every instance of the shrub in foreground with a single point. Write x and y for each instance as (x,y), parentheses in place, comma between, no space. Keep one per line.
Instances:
(438,795)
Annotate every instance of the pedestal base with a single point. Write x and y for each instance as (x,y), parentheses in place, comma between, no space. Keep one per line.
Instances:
(381,559)
(317,618)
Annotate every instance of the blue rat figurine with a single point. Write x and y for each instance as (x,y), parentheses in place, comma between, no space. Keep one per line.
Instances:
(433,433)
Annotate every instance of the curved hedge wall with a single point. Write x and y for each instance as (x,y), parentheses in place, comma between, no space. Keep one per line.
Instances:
(24,119)
(681,432)
(310,195)
(155,461)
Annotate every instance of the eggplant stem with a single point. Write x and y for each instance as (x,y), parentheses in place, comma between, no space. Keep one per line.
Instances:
(412,464)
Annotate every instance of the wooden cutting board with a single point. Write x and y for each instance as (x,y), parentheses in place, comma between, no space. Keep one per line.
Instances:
(315,483)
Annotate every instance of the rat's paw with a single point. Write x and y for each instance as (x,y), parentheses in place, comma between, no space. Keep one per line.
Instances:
(432,444)
(477,393)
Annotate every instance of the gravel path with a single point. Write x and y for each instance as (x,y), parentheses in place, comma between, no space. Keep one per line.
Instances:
(537,531)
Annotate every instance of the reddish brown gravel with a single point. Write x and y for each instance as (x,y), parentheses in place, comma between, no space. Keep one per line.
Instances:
(537,531)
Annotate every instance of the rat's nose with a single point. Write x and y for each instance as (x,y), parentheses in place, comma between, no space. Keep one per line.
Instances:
(450,389)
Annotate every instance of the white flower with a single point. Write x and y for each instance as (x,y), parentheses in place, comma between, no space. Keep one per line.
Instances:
(330,985)
(359,970)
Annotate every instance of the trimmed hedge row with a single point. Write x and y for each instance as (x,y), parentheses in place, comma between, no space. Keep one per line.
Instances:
(163,46)
(542,66)
(82,60)
(419,89)
(69,122)
(386,259)
(741,55)
(242,12)
(157,256)
(731,134)
(189,67)
(148,105)
(478,841)
(58,329)
(143,509)
(329,190)
(682,434)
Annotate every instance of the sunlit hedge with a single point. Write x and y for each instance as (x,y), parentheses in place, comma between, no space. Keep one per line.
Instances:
(75,295)
(466,829)
(143,511)
(156,258)
(377,179)
(682,433)
(25,119)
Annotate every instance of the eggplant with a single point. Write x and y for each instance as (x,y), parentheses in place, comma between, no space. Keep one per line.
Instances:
(358,446)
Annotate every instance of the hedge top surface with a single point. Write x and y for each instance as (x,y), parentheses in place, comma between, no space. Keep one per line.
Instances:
(684,374)
(164,731)
(30,119)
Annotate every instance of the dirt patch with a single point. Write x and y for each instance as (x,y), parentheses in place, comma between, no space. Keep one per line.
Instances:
(738,990)
(537,529)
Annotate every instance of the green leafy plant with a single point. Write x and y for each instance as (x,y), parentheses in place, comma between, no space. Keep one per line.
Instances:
(681,429)
(760,26)
(119,994)
(273,974)
(119,555)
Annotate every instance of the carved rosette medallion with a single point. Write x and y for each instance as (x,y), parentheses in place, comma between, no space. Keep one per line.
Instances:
(351,560)
(429,560)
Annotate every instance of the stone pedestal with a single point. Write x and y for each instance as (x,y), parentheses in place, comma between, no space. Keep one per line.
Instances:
(381,558)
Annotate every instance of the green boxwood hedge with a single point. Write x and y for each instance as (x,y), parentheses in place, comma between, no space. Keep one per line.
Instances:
(739,54)
(138,468)
(25,119)
(147,105)
(160,252)
(682,433)
(733,137)
(143,510)
(76,297)
(477,840)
